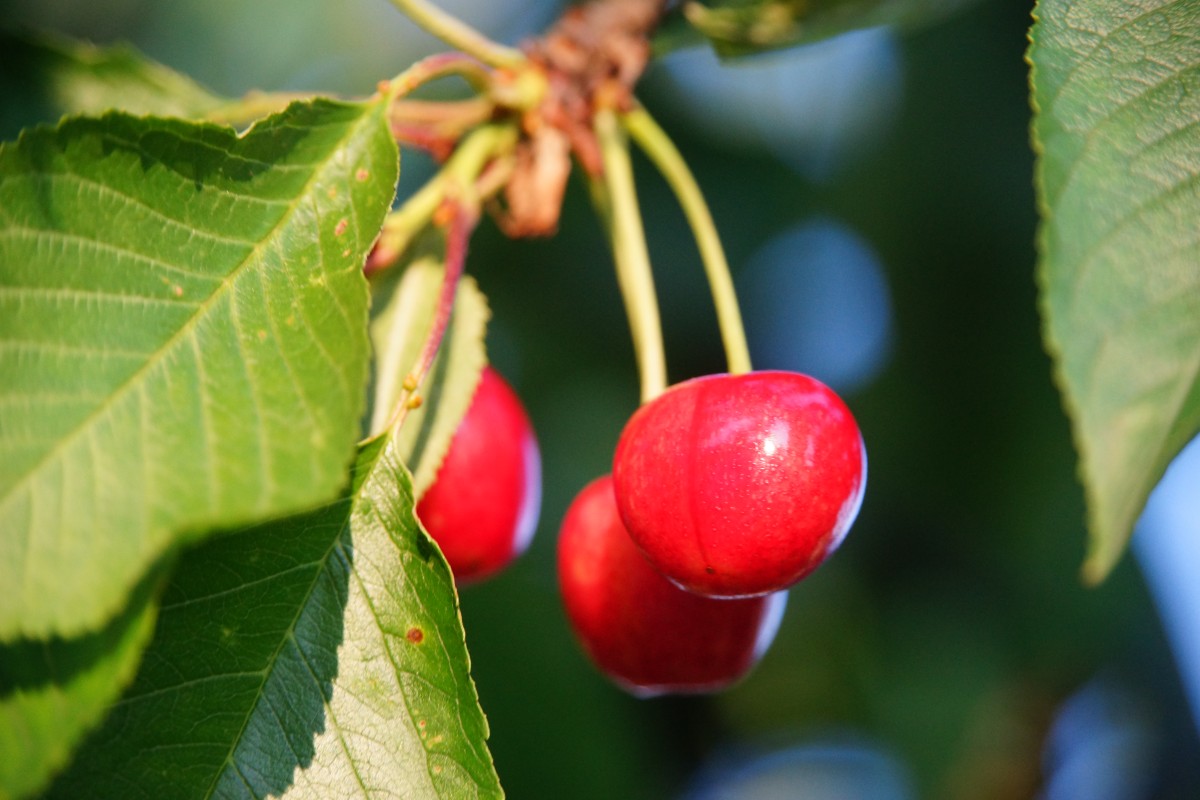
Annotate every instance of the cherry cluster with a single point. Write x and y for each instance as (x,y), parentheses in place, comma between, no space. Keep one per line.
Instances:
(725,490)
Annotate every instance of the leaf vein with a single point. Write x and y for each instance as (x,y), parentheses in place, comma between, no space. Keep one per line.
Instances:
(80,242)
(1104,36)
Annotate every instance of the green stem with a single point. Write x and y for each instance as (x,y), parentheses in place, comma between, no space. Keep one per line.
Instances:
(456,179)
(484,142)
(441,65)
(459,35)
(662,152)
(619,200)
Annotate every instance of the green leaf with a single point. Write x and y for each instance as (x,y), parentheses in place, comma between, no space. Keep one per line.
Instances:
(43,78)
(183,339)
(52,692)
(320,656)
(1115,86)
(399,331)
(744,27)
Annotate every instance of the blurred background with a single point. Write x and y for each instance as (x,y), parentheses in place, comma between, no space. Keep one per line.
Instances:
(874,193)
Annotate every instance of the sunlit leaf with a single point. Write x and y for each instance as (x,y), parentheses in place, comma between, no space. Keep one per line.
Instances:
(399,332)
(1116,86)
(321,656)
(183,339)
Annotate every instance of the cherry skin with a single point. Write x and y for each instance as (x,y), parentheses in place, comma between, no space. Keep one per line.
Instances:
(483,506)
(740,485)
(642,631)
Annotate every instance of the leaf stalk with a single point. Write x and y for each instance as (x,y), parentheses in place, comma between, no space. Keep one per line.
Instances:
(459,177)
(460,218)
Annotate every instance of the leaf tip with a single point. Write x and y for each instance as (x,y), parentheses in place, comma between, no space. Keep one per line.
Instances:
(1104,553)
(1094,571)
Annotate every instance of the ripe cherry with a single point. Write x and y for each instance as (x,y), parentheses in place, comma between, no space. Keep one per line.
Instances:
(739,485)
(648,635)
(483,507)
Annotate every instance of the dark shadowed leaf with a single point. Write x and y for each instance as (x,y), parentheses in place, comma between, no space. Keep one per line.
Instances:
(321,656)
(1117,94)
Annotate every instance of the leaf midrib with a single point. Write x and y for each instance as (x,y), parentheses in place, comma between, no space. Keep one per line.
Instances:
(322,567)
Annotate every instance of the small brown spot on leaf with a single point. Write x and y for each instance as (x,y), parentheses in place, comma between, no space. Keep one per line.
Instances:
(340,228)
(415,635)
(177,291)
(362,174)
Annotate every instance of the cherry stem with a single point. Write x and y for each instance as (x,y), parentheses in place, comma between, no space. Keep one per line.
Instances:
(461,216)
(662,152)
(441,65)
(617,201)
(459,174)
(459,35)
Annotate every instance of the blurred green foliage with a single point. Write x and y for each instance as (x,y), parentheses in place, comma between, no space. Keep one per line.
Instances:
(952,622)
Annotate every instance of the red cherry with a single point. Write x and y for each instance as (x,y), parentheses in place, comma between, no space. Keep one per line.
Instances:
(739,485)
(483,506)
(645,633)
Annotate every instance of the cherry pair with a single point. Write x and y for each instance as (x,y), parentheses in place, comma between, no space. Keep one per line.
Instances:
(726,490)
